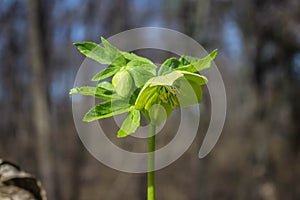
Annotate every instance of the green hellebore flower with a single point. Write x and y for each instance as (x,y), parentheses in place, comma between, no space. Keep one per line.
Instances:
(166,92)
(134,87)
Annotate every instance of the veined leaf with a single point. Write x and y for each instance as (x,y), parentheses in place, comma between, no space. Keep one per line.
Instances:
(139,64)
(140,76)
(193,64)
(106,85)
(106,109)
(106,73)
(168,66)
(187,63)
(132,56)
(104,55)
(92,91)
(140,71)
(130,124)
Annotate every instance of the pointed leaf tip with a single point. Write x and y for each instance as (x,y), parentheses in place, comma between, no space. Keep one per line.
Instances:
(121,134)
(213,54)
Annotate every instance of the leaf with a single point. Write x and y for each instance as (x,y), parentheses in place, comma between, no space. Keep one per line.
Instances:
(133,96)
(168,66)
(132,56)
(193,64)
(139,64)
(140,76)
(104,55)
(92,91)
(130,124)
(141,72)
(188,68)
(106,73)
(106,85)
(106,109)
(117,56)
(122,83)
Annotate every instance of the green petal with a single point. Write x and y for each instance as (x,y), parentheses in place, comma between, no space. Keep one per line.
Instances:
(144,96)
(167,79)
(123,83)
(199,79)
(188,89)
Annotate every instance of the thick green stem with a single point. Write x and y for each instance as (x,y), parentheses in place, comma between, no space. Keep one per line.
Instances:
(151,175)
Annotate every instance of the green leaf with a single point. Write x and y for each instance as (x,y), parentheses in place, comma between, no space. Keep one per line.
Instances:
(140,76)
(106,85)
(130,124)
(139,64)
(104,55)
(188,68)
(117,56)
(92,91)
(193,64)
(106,109)
(122,83)
(106,73)
(140,71)
(168,66)
(132,56)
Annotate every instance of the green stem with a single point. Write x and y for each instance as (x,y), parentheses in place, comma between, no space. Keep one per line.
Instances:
(151,175)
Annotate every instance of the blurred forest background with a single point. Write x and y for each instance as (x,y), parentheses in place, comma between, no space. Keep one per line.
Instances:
(258,154)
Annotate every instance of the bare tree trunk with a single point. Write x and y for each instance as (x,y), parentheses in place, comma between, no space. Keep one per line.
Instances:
(39,93)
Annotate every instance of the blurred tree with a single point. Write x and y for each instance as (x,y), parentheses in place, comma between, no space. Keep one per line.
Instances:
(39,93)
